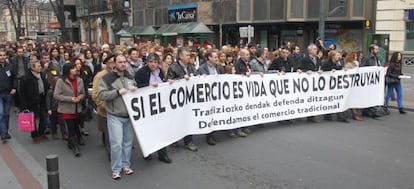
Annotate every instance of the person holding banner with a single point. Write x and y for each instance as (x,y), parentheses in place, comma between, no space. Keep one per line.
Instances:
(178,70)
(310,64)
(242,66)
(110,89)
(334,64)
(152,75)
(210,68)
(283,63)
(258,63)
(371,60)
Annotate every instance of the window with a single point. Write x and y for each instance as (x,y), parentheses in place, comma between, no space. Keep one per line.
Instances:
(138,18)
(339,12)
(244,10)
(158,17)
(149,17)
(296,9)
(409,28)
(229,10)
(358,8)
(313,9)
(277,8)
(260,9)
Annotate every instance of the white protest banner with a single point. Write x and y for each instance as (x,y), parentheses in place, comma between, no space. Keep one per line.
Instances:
(165,114)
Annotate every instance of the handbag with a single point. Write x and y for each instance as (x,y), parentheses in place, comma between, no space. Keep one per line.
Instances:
(26,121)
(390,80)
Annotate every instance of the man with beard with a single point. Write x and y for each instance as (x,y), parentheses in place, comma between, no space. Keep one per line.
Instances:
(371,60)
(111,88)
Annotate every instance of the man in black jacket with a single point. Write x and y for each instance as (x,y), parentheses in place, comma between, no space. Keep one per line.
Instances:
(178,70)
(283,63)
(20,68)
(310,64)
(371,60)
(33,98)
(151,74)
(6,92)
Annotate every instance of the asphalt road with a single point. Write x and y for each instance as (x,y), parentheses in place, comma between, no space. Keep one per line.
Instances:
(369,154)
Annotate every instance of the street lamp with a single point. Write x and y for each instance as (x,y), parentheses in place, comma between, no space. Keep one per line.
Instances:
(323,14)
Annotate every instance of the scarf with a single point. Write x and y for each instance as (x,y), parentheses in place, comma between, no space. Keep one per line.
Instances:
(40,83)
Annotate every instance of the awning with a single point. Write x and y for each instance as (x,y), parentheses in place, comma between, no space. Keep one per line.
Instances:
(183,28)
(123,33)
(141,30)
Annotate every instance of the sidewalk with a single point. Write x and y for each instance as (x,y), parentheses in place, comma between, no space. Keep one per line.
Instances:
(18,169)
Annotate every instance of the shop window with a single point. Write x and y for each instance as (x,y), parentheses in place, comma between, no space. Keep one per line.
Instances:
(296,9)
(244,10)
(260,9)
(313,9)
(277,8)
(358,8)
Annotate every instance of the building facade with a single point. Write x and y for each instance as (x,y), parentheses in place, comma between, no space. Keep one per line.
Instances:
(396,19)
(275,22)
(97,23)
(35,18)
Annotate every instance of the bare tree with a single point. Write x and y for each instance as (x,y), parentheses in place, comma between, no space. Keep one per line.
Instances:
(16,11)
(58,8)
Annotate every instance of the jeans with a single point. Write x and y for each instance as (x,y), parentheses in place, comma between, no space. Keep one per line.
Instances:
(121,139)
(5,105)
(390,92)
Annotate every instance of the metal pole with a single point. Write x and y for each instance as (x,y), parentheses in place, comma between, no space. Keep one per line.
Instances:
(248,33)
(221,24)
(52,167)
(322,18)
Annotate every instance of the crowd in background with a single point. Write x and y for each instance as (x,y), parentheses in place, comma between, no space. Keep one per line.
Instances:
(62,83)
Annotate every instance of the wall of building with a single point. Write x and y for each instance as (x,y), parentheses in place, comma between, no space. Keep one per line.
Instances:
(391,19)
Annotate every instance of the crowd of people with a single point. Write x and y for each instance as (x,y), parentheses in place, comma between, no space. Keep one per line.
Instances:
(62,83)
